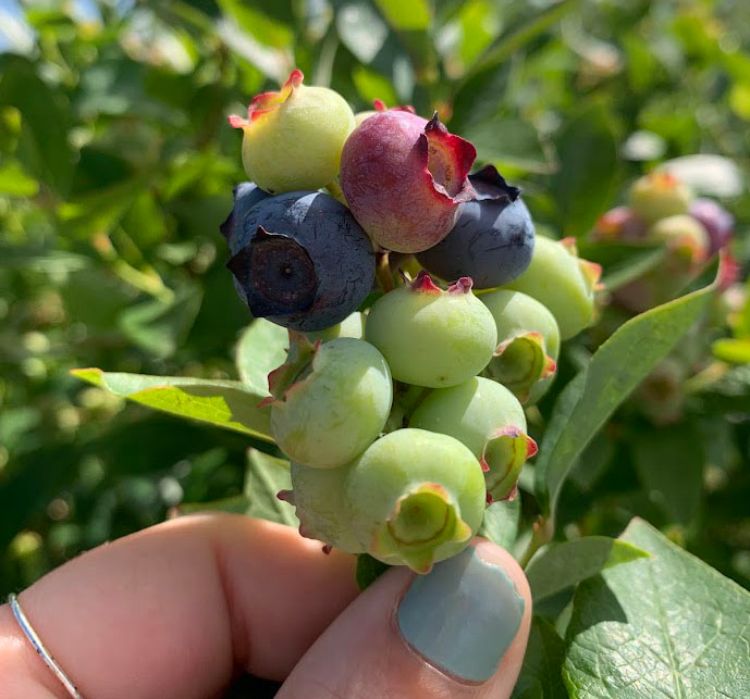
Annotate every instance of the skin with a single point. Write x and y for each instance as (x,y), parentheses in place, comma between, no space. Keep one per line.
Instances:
(122,622)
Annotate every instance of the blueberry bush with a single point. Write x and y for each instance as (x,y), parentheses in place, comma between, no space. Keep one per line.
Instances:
(460,267)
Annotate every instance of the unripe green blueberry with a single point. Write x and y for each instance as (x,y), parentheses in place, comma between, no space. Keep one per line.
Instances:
(415,497)
(562,282)
(684,235)
(432,337)
(489,420)
(293,138)
(658,195)
(319,497)
(688,245)
(325,412)
(352,326)
(528,343)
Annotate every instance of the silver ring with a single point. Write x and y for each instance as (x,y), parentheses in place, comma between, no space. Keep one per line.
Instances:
(39,647)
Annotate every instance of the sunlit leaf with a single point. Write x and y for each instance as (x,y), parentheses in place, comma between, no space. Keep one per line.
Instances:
(227,404)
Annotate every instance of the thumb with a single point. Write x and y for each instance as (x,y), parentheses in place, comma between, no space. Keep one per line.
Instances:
(459,632)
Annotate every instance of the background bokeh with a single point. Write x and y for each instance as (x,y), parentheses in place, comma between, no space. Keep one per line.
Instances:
(117,167)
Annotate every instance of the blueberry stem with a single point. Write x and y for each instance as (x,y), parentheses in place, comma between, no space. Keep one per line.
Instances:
(383,272)
(542,532)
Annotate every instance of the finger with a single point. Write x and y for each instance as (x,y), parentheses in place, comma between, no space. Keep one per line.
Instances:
(176,609)
(458,632)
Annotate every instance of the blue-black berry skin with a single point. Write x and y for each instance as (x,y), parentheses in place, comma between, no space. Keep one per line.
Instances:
(493,239)
(246,196)
(299,259)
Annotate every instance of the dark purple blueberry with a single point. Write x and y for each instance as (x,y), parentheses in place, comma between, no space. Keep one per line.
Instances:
(246,196)
(493,239)
(299,259)
(717,221)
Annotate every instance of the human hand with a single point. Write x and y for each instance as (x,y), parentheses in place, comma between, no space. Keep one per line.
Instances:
(180,609)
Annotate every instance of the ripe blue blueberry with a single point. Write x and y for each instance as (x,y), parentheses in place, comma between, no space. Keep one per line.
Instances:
(493,238)
(299,259)
(246,196)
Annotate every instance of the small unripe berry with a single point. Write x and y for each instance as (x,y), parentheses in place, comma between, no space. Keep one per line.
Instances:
(489,420)
(293,138)
(684,235)
(658,195)
(525,360)
(319,497)
(416,497)
(330,401)
(620,224)
(563,282)
(432,337)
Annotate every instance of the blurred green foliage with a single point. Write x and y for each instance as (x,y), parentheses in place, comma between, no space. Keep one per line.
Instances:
(117,167)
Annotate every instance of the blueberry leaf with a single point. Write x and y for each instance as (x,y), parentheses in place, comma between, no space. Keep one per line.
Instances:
(562,565)
(665,626)
(226,404)
(406,15)
(669,462)
(584,183)
(266,475)
(262,348)
(541,673)
(500,523)
(607,380)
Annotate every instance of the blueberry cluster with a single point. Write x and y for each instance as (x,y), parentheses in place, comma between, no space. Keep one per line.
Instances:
(662,210)
(400,404)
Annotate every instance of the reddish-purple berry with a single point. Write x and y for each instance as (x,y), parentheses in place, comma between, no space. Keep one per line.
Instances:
(404,177)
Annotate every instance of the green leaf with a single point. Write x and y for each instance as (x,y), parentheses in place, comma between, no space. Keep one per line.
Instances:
(559,566)
(100,210)
(236,504)
(46,121)
(632,267)
(406,15)
(15,182)
(524,32)
(541,673)
(500,523)
(263,27)
(372,86)
(361,29)
(736,351)
(262,348)
(369,569)
(265,477)
(730,393)
(227,404)
(614,371)
(519,146)
(160,327)
(585,181)
(670,463)
(666,626)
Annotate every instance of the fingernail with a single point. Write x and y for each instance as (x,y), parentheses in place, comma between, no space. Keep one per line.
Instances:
(462,616)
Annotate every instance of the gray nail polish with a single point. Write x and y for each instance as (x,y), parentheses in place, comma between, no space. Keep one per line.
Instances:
(462,616)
